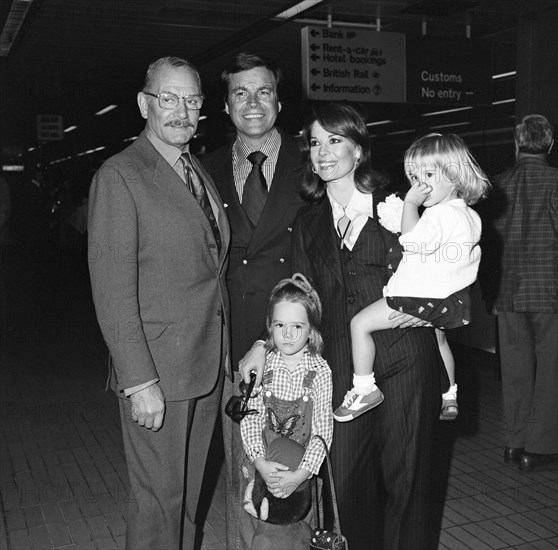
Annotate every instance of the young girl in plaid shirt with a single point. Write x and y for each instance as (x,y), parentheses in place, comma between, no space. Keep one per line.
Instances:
(295,399)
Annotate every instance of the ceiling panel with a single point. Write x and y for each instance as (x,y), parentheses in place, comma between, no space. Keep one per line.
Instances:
(73,57)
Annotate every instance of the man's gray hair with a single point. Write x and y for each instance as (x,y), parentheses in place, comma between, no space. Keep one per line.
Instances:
(533,135)
(169,61)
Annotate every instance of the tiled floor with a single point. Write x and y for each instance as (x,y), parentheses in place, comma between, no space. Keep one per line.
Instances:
(63,475)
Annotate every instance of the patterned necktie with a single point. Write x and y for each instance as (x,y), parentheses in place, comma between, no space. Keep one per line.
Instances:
(254,193)
(344,226)
(197,188)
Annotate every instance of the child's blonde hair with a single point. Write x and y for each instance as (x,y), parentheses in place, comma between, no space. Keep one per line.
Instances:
(450,153)
(297,290)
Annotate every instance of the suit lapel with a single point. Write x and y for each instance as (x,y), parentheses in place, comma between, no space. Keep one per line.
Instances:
(323,234)
(283,192)
(237,217)
(166,179)
(222,220)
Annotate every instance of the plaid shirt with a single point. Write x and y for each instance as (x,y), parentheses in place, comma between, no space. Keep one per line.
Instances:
(529,233)
(288,385)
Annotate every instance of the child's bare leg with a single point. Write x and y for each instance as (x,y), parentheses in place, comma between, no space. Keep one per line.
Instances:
(364,395)
(370,319)
(447,355)
(449,398)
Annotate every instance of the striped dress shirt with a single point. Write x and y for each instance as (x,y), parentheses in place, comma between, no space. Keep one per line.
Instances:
(242,166)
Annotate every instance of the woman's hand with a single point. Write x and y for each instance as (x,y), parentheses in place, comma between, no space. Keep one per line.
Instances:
(254,360)
(404,320)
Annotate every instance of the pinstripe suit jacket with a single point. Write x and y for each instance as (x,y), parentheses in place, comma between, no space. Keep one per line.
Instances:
(528,230)
(390,445)
(316,254)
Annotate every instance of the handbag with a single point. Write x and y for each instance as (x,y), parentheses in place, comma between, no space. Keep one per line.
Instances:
(237,406)
(322,539)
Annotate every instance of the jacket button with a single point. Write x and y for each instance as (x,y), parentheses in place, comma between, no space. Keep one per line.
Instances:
(219,313)
(244,262)
(282,260)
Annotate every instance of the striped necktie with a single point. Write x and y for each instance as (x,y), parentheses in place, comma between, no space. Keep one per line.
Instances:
(196,186)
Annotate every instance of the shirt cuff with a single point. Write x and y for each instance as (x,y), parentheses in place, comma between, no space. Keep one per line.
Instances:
(135,389)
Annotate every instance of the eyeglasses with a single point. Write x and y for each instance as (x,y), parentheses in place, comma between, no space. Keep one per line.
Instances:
(240,95)
(168,100)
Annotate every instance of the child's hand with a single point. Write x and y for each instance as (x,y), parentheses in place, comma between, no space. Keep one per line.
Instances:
(268,468)
(418,193)
(287,482)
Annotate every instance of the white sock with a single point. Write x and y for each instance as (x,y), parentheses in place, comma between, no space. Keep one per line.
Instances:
(364,384)
(451,393)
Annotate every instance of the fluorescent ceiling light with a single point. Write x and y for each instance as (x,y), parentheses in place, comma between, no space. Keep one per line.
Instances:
(450,125)
(503,75)
(99,148)
(379,122)
(448,111)
(503,101)
(298,8)
(31,149)
(60,160)
(133,138)
(106,110)
(203,117)
(400,132)
(69,129)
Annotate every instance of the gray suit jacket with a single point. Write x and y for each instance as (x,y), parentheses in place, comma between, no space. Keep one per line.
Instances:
(157,278)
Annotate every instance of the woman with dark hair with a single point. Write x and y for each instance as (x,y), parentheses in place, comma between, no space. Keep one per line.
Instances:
(382,459)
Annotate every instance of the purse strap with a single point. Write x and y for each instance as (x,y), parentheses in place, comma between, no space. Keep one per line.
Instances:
(336,522)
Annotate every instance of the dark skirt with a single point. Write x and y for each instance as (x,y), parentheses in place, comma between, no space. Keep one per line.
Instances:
(444,313)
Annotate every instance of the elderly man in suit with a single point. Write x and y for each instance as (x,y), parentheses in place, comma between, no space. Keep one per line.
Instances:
(158,239)
(527,300)
(257,175)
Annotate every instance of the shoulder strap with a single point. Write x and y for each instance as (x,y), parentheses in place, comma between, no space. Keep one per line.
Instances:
(336,522)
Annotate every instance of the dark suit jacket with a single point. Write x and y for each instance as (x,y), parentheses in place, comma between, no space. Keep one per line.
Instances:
(261,257)
(157,279)
(528,229)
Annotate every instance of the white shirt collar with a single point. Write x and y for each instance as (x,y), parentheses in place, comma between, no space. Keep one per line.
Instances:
(360,204)
(358,210)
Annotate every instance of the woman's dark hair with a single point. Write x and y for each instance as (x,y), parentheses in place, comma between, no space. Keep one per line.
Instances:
(246,61)
(342,120)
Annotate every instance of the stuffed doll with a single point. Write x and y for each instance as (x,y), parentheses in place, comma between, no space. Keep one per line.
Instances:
(260,503)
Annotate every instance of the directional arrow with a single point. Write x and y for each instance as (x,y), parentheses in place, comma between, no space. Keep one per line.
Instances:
(315,71)
(314,47)
(314,32)
(315,57)
(315,87)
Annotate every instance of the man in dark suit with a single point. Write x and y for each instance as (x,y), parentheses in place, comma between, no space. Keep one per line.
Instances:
(527,300)
(158,238)
(261,200)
